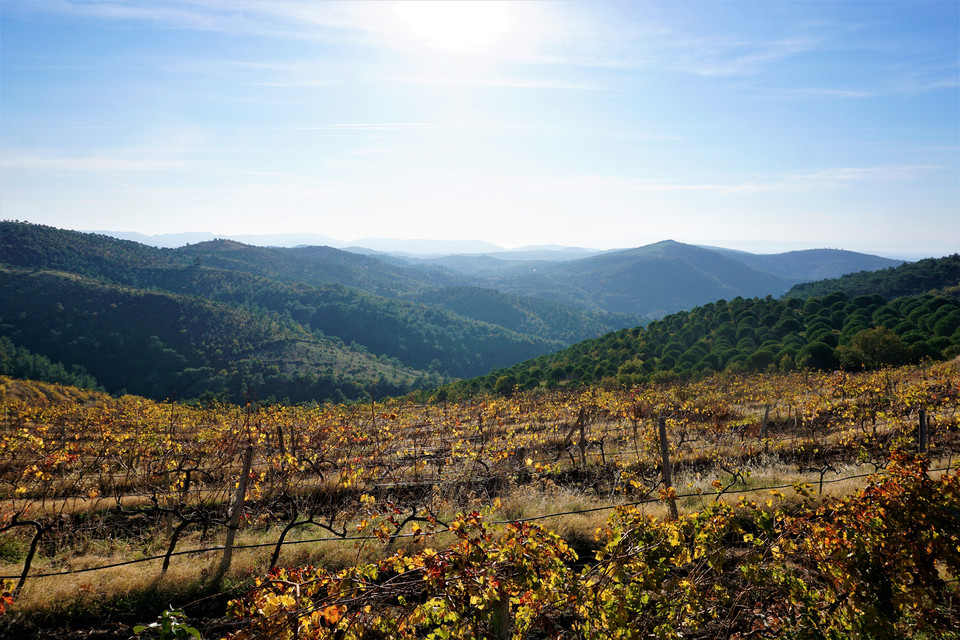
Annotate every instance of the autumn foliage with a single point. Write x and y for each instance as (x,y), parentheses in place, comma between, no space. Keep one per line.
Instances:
(431,486)
(880,564)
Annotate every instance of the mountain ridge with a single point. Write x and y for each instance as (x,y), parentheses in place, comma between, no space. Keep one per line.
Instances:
(414,324)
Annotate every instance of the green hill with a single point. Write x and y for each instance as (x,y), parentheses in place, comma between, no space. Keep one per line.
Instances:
(158,344)
(652,281)
(123,261)
(755,334)
(345,323)
(420,336)
(527,315)
(19,362)
(811,264)
(303,287)
(942,274)
(319,266)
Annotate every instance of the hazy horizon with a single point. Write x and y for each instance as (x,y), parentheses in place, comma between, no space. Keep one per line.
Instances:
(413,245)
(763,127)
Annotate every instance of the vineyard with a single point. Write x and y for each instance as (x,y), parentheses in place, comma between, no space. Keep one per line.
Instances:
(802,505)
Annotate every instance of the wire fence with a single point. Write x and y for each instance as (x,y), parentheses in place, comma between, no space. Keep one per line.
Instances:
(541,517)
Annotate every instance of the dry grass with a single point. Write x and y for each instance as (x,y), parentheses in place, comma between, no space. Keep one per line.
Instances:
(502,485)
(580,513)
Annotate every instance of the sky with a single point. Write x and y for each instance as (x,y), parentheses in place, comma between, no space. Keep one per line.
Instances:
(762,126)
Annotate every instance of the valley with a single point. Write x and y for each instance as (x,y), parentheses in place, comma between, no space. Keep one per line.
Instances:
(246,442)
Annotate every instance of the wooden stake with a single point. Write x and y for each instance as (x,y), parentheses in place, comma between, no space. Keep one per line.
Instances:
(235,516)
(665,466)
(923,430)
(582,421)
(763,428)
(283,450)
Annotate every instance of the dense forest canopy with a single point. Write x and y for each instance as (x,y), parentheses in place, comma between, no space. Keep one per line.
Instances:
(942,274)
(229,320)
(225,318)
(758,334)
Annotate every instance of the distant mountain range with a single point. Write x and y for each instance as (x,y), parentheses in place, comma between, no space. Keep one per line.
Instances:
(648,282)
(331,323)
(657,279)
(421,248)
(225,318)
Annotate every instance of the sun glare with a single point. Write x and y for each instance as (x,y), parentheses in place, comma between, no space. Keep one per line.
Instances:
(464,25)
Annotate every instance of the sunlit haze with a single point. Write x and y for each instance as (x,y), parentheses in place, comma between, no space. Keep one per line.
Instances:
(764,126)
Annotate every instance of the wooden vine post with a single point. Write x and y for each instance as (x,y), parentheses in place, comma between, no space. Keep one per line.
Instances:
(763,429)
(923,431)
(283,449)
(235,513)
(582,424)
(667,469)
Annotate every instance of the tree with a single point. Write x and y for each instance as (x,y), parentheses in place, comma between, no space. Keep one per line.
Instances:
(505,384)
(874,348)
(817,355)
(760,360)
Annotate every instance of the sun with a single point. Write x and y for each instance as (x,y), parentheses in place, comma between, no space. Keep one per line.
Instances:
(455,25)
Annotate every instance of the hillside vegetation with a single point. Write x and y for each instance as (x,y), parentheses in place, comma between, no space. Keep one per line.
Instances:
(755,334)
(341,339)
(20,362)
(942,274)
(652,281)
(812,264)
(344,326)
(159,344)
(659,278)
(649,281)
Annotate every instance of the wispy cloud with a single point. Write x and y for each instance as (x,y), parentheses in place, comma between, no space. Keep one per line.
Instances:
(721,58)
(497,81)
(820,92)
(94,164)
(396,126)
(837,178)
(551,34)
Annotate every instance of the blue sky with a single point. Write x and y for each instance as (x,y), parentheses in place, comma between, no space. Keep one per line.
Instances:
(763,126)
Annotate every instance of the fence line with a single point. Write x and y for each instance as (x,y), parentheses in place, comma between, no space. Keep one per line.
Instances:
(415,535)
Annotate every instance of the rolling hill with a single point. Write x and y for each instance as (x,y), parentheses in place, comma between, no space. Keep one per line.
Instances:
(811,264)
(157,344)
(929,274)
(403,342)
(655,279)
(651,281)
(340,323)
(827,331)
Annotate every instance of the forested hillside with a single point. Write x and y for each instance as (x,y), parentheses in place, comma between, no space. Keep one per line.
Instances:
(941,274)
(659,278)
(391,344)
(125,262)
(811,264)
(320,323)
(20,362)
(525,314)
(652,281)
(757,334)
(160,344)
(420,336)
